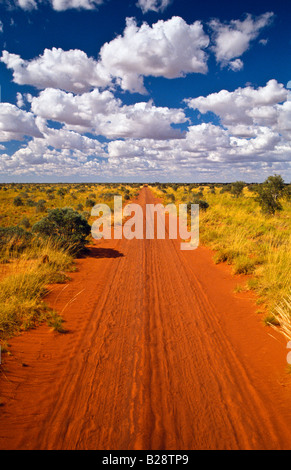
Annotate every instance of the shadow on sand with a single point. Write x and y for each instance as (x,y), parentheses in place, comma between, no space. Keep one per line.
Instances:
(94,252)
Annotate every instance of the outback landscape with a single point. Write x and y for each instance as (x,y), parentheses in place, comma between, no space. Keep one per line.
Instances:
(145,203)
(195,341)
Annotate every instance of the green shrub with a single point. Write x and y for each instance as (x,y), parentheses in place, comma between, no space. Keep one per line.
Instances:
(13,239)
(25,222)
(203,205)
(40,206)
(66,227)
(18,201)
(30,203)
(269,194)
(90,202)
(237,188)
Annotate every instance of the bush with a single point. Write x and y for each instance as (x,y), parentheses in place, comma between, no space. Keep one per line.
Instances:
(203,205)
(40,206)
(269,194)
(30,203)
(287,192)
(86,215)
(13,239)
(25,222)
(237,188)
(90,202)
(61,192)
(18,201)
(66,227)
(225,188)
(23,195)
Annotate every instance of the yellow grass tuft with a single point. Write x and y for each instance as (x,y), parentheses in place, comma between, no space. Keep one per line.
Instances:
(283,316)
(22,290)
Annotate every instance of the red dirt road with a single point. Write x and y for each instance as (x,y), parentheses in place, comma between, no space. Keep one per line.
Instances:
(160,354)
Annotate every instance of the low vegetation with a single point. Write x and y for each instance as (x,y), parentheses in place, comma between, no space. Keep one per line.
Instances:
(24,286)
(66,227)
(248,227)
(43,228)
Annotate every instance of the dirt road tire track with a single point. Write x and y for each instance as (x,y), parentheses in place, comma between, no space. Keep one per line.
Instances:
(160,354)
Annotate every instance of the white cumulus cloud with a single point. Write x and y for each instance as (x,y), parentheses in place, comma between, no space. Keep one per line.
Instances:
(27,4)
(232,39)
(244,106)
(167,49)
(69,70)
(102,114)
(15,123)
(60,5)
(153,5)
(236,65)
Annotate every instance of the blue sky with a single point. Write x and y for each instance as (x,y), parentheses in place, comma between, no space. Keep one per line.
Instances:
(144,90)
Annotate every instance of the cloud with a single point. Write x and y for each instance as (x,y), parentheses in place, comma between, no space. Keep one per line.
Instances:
(69,70)
(15,124)
(153,5)
(254,139)
(167,49)
(38,158)
(232,40)
(1,27)
(257,123)
(101,113)
(244,106)
(143,120)
(27,4)
(263,42)
(55,151)
(19,100)
(284,118)
(207,151)
(235,65)
(60,5)
(78,111)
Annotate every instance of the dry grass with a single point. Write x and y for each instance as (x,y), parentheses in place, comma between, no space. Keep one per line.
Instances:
(251,242)
(283,317)
(22,290)
(23,277)
(55,196)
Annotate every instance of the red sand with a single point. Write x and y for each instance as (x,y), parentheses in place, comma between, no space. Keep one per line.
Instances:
(160,354)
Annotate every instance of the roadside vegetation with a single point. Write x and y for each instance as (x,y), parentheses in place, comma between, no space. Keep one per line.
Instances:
(248,227)
(43,227)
